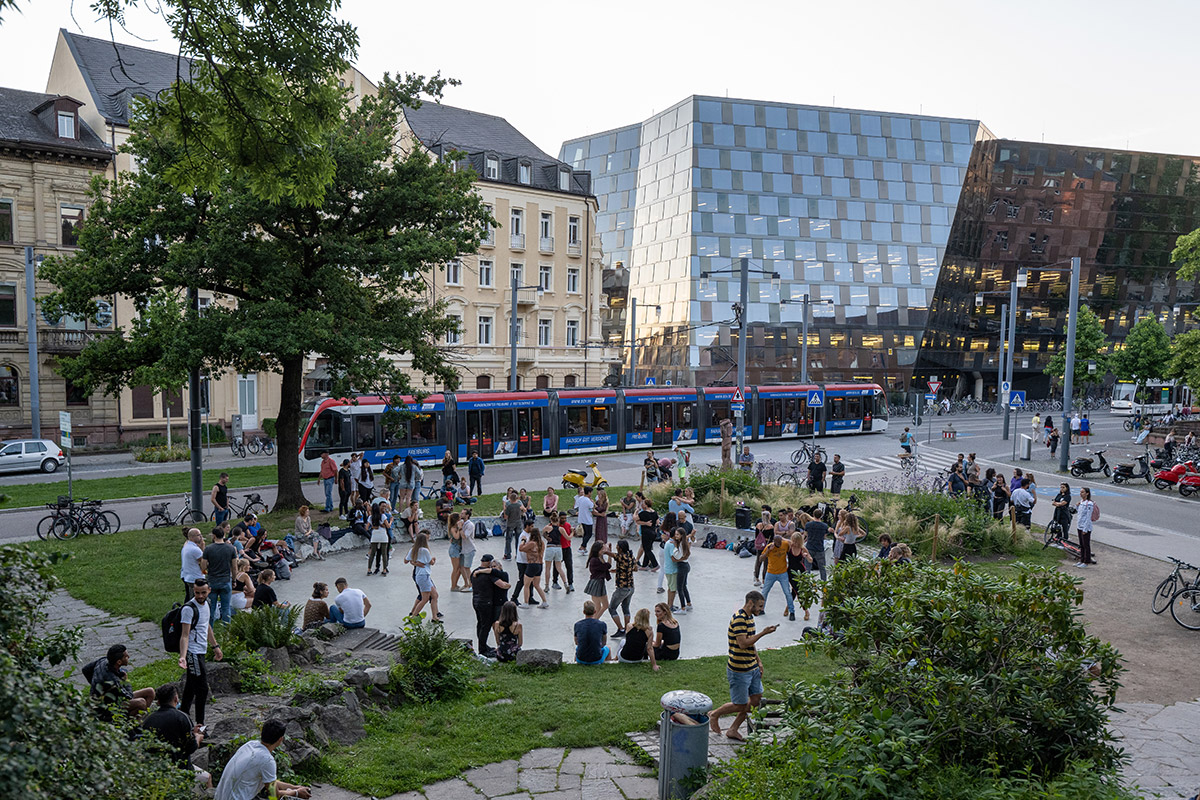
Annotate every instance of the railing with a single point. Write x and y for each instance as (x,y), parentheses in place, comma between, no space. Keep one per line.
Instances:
(546,244)
(52,341)
(489,238)
(526,354)
(516,241)
(10,337)
(527,297)
(574,248)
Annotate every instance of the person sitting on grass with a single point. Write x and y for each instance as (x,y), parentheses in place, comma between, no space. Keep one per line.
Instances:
(638,644)
(590,637)
(509,634)
(110,683)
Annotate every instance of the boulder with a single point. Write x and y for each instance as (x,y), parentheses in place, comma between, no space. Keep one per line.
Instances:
(350,701)
(223,678)
(340,724)
(199,759)
(286,714)
(227,729)
(539,659)
(300,751)
(357,678)
(277,657)
(378,675)
(328,630)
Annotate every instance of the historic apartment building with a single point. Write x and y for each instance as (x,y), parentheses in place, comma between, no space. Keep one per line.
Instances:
(48,156)
(545,239)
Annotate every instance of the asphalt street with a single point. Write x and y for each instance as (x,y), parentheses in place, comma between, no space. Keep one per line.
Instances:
(1133,517)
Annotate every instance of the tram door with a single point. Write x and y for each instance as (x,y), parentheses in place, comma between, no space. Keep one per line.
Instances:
(663,416)
(773,417)
(529,430)
(481,433)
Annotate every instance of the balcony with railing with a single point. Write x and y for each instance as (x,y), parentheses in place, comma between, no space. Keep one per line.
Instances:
(68,341)
(527,297)
(546,244)
(574,248)
(526,354)
(12,336)
(516,241)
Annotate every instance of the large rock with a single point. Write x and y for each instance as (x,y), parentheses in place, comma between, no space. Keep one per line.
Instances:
(341,724)
(286,714)
(328,630)
(227,729)
(223,678)
(277,657)
(357,678)
(199,759)
(300,751)
(539,659)
(378,675)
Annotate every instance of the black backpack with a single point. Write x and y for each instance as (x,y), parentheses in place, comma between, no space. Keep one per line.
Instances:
(89,669)
(710,541)
(481,531)
(172,626)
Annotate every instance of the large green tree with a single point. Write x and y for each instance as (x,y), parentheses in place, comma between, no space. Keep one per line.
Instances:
(1187,255)
(1146,354)
(1090,345)
(1185,358)
(347,279)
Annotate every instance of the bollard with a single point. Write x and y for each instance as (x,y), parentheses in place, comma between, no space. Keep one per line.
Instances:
(948,432)
(682,745)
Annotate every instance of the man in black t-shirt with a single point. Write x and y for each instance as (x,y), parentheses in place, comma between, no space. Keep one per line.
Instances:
(220,498)
(815,532)
(173,726)
(218,564)
(647,520)
(489,586)
(816,474)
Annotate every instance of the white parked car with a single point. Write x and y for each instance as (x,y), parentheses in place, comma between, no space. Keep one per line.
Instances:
(31,455)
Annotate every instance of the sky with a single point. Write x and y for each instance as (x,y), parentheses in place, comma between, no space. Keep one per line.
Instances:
(1087,72)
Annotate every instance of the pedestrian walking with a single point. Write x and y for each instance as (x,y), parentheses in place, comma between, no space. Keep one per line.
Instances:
(683,567)
(622,593)
(815,533)
(328,477)
(584,508)
(345,486)
(775,554)
(195,637)
(599,567)
(1036,425)
(475,470)
(1086,514)
(1047,427)
(423,561)
(513,515)
(600,513)
(377,555)
(743,669)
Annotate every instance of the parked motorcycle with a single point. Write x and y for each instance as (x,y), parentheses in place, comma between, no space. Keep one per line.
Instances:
(578,478)
(1189,485)
(1167,478)
(1127,472)
(1086,466)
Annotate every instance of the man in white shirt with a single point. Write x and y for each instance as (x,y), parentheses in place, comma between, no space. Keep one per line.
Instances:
(352,605)
(1023,501)
(1076,423)
(193,551)
(583,507)
(253,766)
(195,636)
(522,565)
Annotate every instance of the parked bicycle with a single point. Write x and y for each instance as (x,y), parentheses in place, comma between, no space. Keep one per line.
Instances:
(238,447)
(1170,585)
(1056,535)
(913,468)
(1185,605)
(261,443)
(251,504)
(160,515)
(68,519)
(806,451)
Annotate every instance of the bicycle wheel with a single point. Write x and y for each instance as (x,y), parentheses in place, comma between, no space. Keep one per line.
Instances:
(156,521)
(195,516)
(788,479)
(114,522)
(1048,535)
(234,444)
(1163,594)
(97,523)
(44,525)
(268,448)
(64,528)
(798,456)
(252,446)
(940,485)
(1185,608)
(241,450)
(257,508)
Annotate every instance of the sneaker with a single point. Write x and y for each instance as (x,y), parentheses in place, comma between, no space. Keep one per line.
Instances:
(544,605)
(661,590)
(758,583)
(556,586)
(1079,563)
(570,588)
(619,633)
(342,516)
(792,616)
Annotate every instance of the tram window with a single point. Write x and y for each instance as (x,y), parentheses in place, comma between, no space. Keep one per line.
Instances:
(394,434)
(683,415)
(364,431)
(326,430)
(720,411)
(853,408)
(601,420)
(535,415)
(577,419)
(423,428)
(791,411)
(487,426)
(508,423)
(837,407)
(641,418)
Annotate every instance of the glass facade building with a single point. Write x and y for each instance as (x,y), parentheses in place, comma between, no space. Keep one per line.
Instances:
(890,222)
(850,207)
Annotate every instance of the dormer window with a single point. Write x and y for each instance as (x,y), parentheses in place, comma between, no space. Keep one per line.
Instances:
(66,125)
(564,180)
(492,169)
(526,174)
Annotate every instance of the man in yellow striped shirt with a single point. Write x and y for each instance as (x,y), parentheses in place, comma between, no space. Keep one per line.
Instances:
(744,669)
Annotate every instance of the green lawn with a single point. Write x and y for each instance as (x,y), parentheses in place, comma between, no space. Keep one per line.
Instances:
(22,495)
(576,707)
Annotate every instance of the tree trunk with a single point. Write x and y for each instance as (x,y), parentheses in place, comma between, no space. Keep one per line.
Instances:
(291,493)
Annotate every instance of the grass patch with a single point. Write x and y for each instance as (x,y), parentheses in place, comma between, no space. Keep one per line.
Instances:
(22,495)
(578,706)
(156,673)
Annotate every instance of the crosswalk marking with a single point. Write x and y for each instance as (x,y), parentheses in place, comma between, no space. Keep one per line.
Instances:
(933,460)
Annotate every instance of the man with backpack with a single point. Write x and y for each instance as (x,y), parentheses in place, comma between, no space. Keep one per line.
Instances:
(195,636)
(110,683)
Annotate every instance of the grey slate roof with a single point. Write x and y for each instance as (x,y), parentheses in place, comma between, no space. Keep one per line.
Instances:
(116,73)
(442,128)
(20,126)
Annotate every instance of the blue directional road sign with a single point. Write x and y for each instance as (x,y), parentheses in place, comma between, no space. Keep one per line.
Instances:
(737,407)
(816,398)
(649,381)
(1016,399)
(931,397)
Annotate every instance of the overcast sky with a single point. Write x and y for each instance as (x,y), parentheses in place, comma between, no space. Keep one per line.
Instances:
(1088,72)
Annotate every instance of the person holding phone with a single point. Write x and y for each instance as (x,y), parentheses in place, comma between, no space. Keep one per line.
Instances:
(744,668)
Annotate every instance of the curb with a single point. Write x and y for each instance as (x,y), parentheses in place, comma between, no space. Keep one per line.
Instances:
(150,498)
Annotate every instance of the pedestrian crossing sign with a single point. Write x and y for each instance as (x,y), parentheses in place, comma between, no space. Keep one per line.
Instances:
(1016,399)
(816,398)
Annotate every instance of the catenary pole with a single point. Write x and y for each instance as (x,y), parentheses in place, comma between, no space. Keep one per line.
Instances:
(1064,456)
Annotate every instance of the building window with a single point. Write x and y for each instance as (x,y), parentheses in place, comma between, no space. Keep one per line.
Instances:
(71,218)
(489,230)
(573,280)
(66,125)
(454,273)
(1002,239)
(10,387)
(7,234)
(143,402)
(515,273)
(485,273)
(8,306)
(454,336)
(543,381)
(572,333)
(1045,215)
(485,330)
(545,277)
(564,180)
(516,223)
(1013,210)
(77,395)
(526,174)
(545,327)
(573,230)
(569,381)
(546,230)
(483,382)
(492,170)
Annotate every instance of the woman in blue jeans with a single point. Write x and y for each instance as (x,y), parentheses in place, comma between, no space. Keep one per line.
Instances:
(775,554)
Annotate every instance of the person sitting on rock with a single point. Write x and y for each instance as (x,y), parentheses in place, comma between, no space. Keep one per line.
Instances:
(172,726)
(110,683)
(252,768)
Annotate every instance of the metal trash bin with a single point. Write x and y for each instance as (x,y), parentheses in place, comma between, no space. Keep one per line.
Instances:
(682,749)
(1025,445)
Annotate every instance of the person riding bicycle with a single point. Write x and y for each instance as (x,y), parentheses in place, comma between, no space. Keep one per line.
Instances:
(907,440)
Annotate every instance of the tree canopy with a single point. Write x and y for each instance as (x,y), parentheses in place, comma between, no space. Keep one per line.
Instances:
(1146,354)
(1185,358)
(1090,345)
(1187,255)
(346,279)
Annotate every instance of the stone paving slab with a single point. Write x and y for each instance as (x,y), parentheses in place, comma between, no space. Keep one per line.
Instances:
(1163,743)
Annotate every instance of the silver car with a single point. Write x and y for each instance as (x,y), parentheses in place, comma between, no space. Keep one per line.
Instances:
(31,455)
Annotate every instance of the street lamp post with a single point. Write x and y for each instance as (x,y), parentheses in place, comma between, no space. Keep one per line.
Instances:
(633,341)
(1021,281)
(1064,458)
(512,331)
(807,300)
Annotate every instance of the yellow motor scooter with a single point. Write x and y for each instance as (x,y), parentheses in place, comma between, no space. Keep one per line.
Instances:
(578,478)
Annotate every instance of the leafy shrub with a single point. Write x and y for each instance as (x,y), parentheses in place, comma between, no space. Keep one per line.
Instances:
(739,485)
(212,433)
(263,627)
(952,684)
(432,665)
(254,671)
(963,528)
(158,454)
(269,426)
